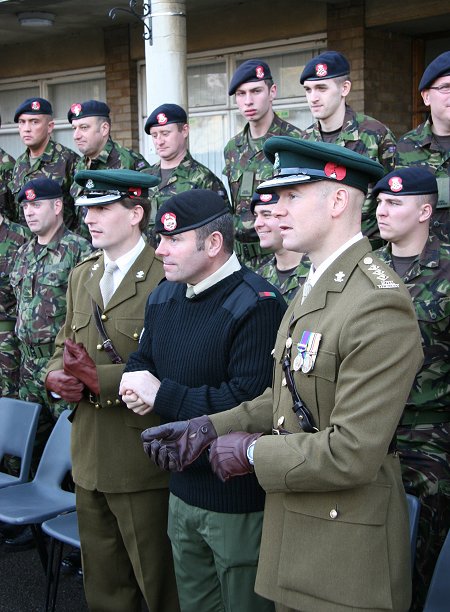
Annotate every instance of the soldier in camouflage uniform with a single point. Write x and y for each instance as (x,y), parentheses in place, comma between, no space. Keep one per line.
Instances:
(91,125)
(245,163)
(7,206)
(12,236)
(179,171)
(429,144)
(286,270)
(43,157)
(39,279)
(327,83)
(406,199)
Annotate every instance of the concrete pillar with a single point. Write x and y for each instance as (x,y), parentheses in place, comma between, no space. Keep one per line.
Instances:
(166,58)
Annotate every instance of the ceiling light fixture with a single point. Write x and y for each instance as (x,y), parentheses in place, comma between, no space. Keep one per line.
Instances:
(35,19)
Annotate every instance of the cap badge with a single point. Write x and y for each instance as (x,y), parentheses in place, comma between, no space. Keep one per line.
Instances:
(395,183)
(161,118)
(35,105)
(134,192)
(321,70)
(75,109)
(169,220)
(276,162)
(265,197)
(30,194)
(89,184)
(334,171)
(259,72)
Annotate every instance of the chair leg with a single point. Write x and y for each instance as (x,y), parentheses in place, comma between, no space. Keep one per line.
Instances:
(40,543)
(50,576)
(53,573)
(56,574)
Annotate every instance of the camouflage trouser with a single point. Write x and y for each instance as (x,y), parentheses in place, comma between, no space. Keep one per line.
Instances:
(32,389)
(425,461)
(9,364)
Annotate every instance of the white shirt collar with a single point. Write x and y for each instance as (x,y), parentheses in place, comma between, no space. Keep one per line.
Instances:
(231,266)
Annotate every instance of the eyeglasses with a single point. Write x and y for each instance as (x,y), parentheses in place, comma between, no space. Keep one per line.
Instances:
(443,89)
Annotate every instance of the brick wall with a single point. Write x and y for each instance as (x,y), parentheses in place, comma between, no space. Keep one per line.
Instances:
(121,87)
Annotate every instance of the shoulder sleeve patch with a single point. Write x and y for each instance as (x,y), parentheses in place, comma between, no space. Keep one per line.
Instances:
(379,273)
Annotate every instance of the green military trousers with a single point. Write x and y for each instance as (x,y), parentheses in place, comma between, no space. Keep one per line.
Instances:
(216,556)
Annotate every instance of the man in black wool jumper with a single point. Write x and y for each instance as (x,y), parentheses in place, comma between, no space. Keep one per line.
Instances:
(206,347)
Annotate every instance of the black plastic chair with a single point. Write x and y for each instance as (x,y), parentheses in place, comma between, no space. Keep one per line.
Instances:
(18,424)
(414,514)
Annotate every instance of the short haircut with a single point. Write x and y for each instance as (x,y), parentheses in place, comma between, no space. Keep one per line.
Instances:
(223,224)
(428,198)
(146,206)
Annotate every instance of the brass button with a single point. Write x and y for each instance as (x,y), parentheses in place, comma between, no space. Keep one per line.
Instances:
(99,347)
(118,402)
(108,402)
(333,513)
(104,317)
(97,406)
(136,336)
(368,260)
(288,343)
(74,327)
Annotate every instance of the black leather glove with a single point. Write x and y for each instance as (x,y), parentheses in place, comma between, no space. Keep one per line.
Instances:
(174,446)
(228,454)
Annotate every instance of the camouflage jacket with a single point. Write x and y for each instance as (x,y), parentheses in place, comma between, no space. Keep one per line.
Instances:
(291,285)
(112,157)
(419,148)
(39,279)
(58,163)
(369,137)
(12,236)
(7,206)
(428,281)
(189,174)
(245,168)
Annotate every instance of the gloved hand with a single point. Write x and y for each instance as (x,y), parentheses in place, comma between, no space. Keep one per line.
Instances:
(228,454)
(174,446)
(78,363)
(65,385)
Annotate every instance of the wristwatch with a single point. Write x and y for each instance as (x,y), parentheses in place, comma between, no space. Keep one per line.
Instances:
(250,450)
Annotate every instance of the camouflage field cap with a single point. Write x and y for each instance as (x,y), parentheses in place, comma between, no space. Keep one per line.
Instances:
(107,186)
(298,161)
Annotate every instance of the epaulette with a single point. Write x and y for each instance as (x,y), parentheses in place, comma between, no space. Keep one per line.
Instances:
(378,272)
(92,257)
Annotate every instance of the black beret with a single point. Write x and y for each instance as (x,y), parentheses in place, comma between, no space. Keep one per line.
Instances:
(327,65)
(33,106)
(40,189)
(90,108)
(407,181)
(164,114)
(298,161)
(263,198)
(440,66)
(107,186)
(248,72)
(188,210)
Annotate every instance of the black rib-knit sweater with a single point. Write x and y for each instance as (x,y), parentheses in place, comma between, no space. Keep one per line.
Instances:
(211,353)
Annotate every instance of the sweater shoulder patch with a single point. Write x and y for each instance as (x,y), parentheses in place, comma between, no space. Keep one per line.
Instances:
(249,292)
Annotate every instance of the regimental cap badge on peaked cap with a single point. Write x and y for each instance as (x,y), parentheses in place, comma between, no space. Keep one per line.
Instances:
(439,67)
(107,186)
(327,65)
(164,114)
(33,106)
(252,70)
(188,210)
(407,181)
(262,198)
(40,189)
(90,108)
(303,161)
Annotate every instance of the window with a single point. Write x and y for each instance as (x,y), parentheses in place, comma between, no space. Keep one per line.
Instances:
(213,114)
(61,90)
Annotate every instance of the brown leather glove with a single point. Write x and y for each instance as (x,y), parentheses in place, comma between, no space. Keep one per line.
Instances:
(228,454)
(78,363)
(173,446)
(65,385)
